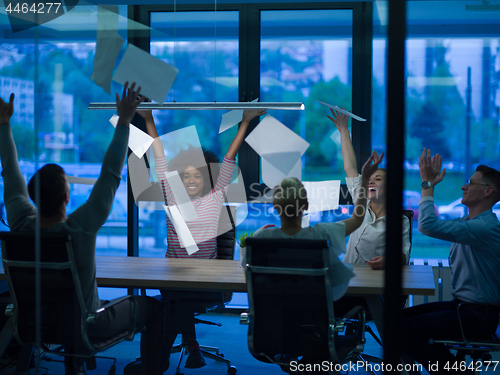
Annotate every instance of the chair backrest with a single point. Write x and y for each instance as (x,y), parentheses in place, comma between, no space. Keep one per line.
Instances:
(54,279)
(290,298)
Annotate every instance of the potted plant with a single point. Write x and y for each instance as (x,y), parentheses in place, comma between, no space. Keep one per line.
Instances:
(241,240)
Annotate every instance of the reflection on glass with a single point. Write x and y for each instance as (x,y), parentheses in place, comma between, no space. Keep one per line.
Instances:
(439,52)
(306,56)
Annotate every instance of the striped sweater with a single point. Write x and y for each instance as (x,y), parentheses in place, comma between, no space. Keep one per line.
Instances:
(208,207)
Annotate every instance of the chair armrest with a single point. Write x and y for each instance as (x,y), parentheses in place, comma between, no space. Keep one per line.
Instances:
(91,316)
(9,309)
(473,304)
(244,318)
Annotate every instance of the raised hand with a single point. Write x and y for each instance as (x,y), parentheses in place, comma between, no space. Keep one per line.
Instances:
(339,119)
(430,168)
(369,168)
(250,114)
(6,110)
(127,105)
(145,113)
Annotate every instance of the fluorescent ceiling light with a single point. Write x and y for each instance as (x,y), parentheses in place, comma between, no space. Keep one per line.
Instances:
(297,106)
(484,7)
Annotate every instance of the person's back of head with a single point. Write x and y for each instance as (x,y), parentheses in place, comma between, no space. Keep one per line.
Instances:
(290,198)
(491,177)
(53,187)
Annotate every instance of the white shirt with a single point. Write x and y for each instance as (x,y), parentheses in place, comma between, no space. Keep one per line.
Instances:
(368,241)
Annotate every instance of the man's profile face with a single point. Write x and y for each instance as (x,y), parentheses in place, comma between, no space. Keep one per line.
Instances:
(474,192)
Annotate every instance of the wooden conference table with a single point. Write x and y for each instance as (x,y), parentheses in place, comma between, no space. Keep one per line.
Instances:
(227,275)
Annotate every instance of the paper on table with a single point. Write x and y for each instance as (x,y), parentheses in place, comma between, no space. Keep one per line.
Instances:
(81,180)
(153,75)
(342,111)
(271,138)
(138,141)
(182,230)
(322,195)
(182,200)
(232,118)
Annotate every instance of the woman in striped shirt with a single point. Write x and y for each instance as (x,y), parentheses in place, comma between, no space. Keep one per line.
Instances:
(197,173)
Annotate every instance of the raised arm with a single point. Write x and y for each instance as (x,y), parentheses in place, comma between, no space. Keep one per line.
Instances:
(350,166)
(359,211)
(93,213)
(17,203)
(248,115)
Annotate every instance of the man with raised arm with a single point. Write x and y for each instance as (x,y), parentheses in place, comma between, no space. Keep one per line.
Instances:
(475,268)
(50,191)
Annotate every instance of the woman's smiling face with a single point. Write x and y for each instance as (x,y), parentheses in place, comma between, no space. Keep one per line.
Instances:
(376,186)
(193,181)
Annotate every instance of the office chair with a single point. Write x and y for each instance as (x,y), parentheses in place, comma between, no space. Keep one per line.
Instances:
(478,349)
(291,303)
(210,301)
(50,288)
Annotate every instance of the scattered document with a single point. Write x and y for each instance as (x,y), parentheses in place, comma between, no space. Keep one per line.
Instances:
(232,118)
(181,197)
(108,46)
(305,220)
(185,237)
(280,149)
(153,75)
(322,195)
(138,141)
(335,108)
(81,180)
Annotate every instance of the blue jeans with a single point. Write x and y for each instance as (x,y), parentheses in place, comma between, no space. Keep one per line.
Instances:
(439,320)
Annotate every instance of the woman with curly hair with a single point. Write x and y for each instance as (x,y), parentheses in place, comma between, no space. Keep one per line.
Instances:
(206,185)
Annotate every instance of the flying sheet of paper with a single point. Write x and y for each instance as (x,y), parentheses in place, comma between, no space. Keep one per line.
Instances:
(182,230)
(280,149)
(138,141)
(305,220)
(334,107)
(322,195)
(81,180)
(182,200)
(108,46)
(153,75)
(232,118)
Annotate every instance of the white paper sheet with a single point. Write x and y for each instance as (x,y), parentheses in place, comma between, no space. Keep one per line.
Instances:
(81,180)
(270,139)
(182,200)
(322,195)
(153,75)
(305,220)
(334,107)
(185,237)
(138,141)
(232,118)
(108,46)
(272,176)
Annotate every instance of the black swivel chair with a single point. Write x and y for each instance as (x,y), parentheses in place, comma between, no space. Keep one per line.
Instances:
(478,349)
(291,303)
(212,301)
(58,314)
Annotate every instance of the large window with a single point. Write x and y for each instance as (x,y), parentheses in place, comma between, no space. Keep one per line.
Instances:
(452,102)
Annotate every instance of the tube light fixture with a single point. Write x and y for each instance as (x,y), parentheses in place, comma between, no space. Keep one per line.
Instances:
(297,106)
